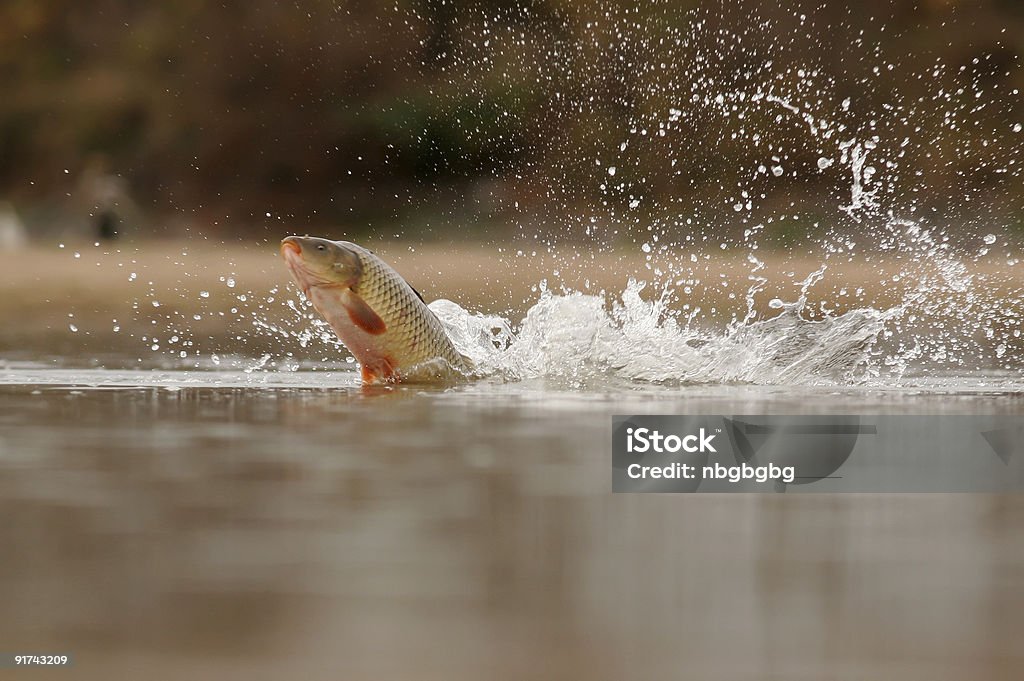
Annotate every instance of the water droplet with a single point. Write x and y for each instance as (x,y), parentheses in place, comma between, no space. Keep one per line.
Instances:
(611,170)
(990,238)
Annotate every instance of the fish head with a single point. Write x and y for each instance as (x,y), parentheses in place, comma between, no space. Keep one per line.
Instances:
(321,262)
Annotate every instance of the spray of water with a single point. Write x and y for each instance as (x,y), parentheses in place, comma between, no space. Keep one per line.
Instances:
(782,124)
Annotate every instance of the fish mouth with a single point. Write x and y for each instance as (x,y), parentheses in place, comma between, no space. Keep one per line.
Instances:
(291,251)
(291,245)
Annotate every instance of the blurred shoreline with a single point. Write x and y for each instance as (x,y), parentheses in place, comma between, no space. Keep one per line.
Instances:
(119,298)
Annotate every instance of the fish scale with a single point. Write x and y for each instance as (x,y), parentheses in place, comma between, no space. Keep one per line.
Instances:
(414,334)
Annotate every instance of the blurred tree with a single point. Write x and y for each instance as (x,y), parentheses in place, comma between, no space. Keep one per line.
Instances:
(325,111)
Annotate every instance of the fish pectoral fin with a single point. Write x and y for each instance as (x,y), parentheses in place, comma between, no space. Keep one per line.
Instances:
(361,314)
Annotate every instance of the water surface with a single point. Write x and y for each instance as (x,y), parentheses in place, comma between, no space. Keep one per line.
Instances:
(292,524)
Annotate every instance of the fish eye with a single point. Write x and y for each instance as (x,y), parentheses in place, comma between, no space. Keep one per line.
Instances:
(321,247)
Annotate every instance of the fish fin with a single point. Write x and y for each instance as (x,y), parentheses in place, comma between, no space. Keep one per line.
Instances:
(418,294)
(384,372)
(362,315)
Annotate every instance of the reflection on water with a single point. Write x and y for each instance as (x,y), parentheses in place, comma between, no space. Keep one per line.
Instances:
(233,526)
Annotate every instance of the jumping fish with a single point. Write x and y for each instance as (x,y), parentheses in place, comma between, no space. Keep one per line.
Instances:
(382,320)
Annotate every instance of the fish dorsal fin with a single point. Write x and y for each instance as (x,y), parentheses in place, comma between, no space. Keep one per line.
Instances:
(418,294)
(361,314)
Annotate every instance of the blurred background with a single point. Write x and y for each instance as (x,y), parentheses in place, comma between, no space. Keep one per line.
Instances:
(668,142)
(418,118)
(194,484)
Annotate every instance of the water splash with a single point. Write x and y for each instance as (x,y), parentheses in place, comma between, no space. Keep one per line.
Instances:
(577,337)
(790,163)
